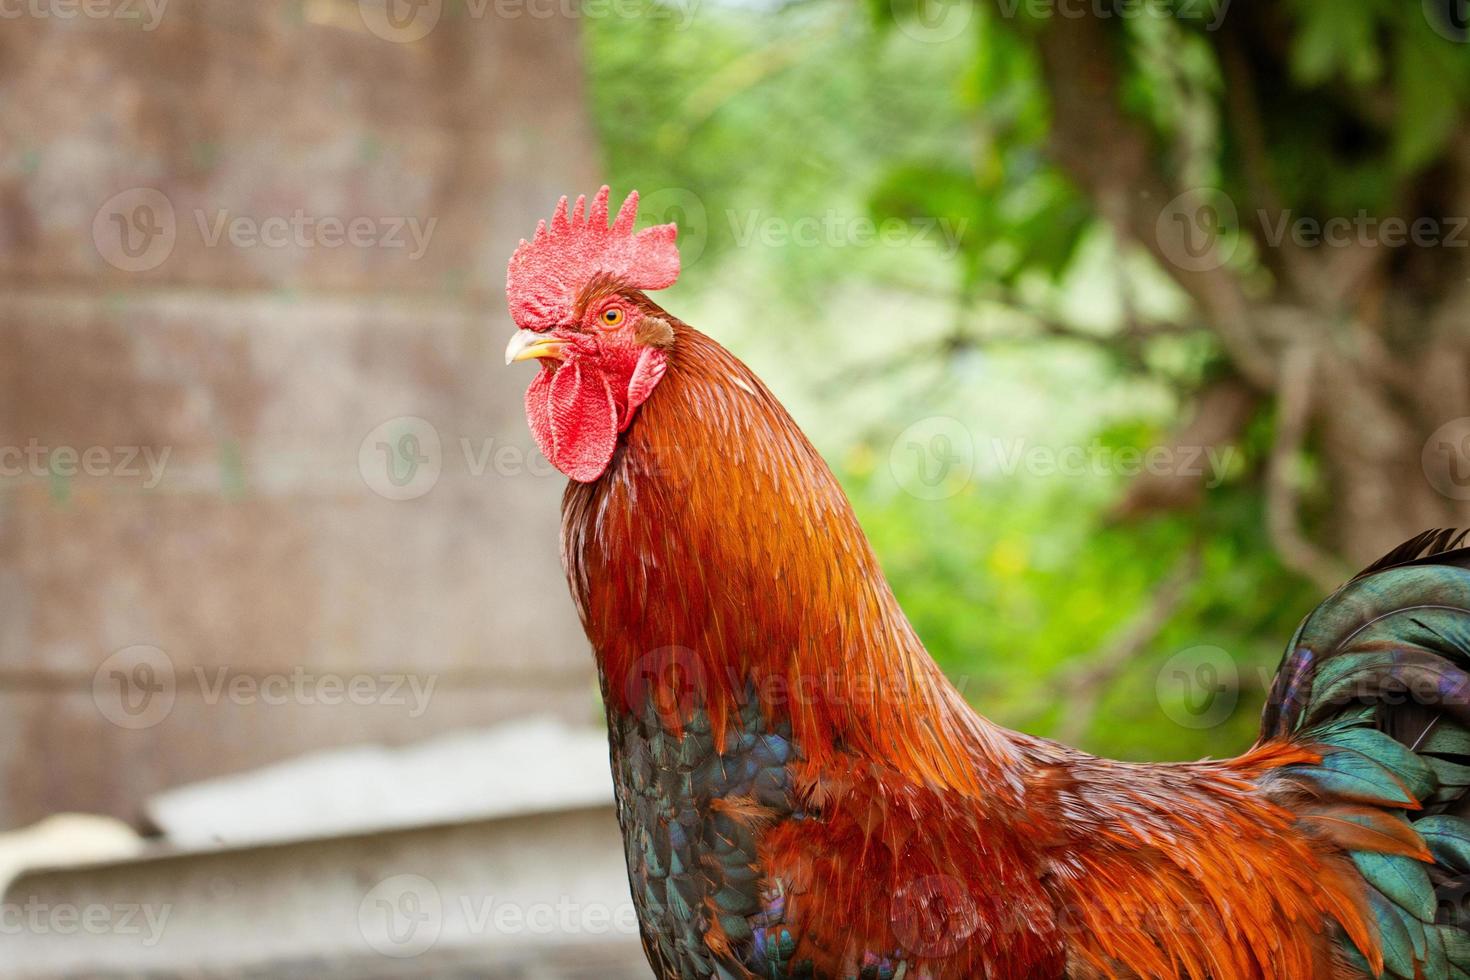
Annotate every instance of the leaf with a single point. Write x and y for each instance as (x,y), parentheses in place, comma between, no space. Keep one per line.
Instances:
(1332,38)
(1427,115)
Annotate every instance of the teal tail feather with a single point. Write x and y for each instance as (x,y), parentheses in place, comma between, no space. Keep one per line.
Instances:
(1378,678)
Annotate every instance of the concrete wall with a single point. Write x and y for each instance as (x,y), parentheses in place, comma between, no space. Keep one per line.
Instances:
(181,283)
(531,898)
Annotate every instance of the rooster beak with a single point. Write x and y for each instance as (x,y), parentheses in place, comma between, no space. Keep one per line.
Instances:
(528,344)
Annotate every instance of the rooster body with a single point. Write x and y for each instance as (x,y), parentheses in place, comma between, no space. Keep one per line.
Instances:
(803,794)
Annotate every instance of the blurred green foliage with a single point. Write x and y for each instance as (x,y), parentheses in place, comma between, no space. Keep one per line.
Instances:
(739,121)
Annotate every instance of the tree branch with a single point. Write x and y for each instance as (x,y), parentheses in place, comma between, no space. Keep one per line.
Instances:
(1290,264)
(1293,407)
(1221,413)
(1111,156)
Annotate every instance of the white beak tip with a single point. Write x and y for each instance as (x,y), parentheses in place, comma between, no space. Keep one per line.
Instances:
(519,341)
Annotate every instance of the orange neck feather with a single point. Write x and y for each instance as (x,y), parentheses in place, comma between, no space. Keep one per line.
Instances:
(718,559)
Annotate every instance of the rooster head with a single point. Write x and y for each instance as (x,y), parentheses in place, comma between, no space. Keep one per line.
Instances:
(576,291)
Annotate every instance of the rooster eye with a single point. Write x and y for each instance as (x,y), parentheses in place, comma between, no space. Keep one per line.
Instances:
(612,316)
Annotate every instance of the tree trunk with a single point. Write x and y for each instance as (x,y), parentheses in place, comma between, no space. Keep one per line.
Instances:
(1378,333)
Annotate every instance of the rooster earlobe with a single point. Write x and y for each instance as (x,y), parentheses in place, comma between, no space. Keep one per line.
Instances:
(574,420)
(646,375)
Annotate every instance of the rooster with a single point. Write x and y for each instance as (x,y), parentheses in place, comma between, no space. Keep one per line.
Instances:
(802,793)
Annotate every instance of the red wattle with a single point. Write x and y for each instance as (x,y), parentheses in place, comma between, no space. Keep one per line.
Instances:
(574,419)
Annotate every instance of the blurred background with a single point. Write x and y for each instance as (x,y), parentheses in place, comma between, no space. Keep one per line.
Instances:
(1131,328)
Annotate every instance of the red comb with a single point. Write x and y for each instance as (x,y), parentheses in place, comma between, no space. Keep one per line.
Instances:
(547,272)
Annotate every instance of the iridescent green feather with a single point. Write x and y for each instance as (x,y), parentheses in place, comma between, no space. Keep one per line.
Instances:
(1377,677)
